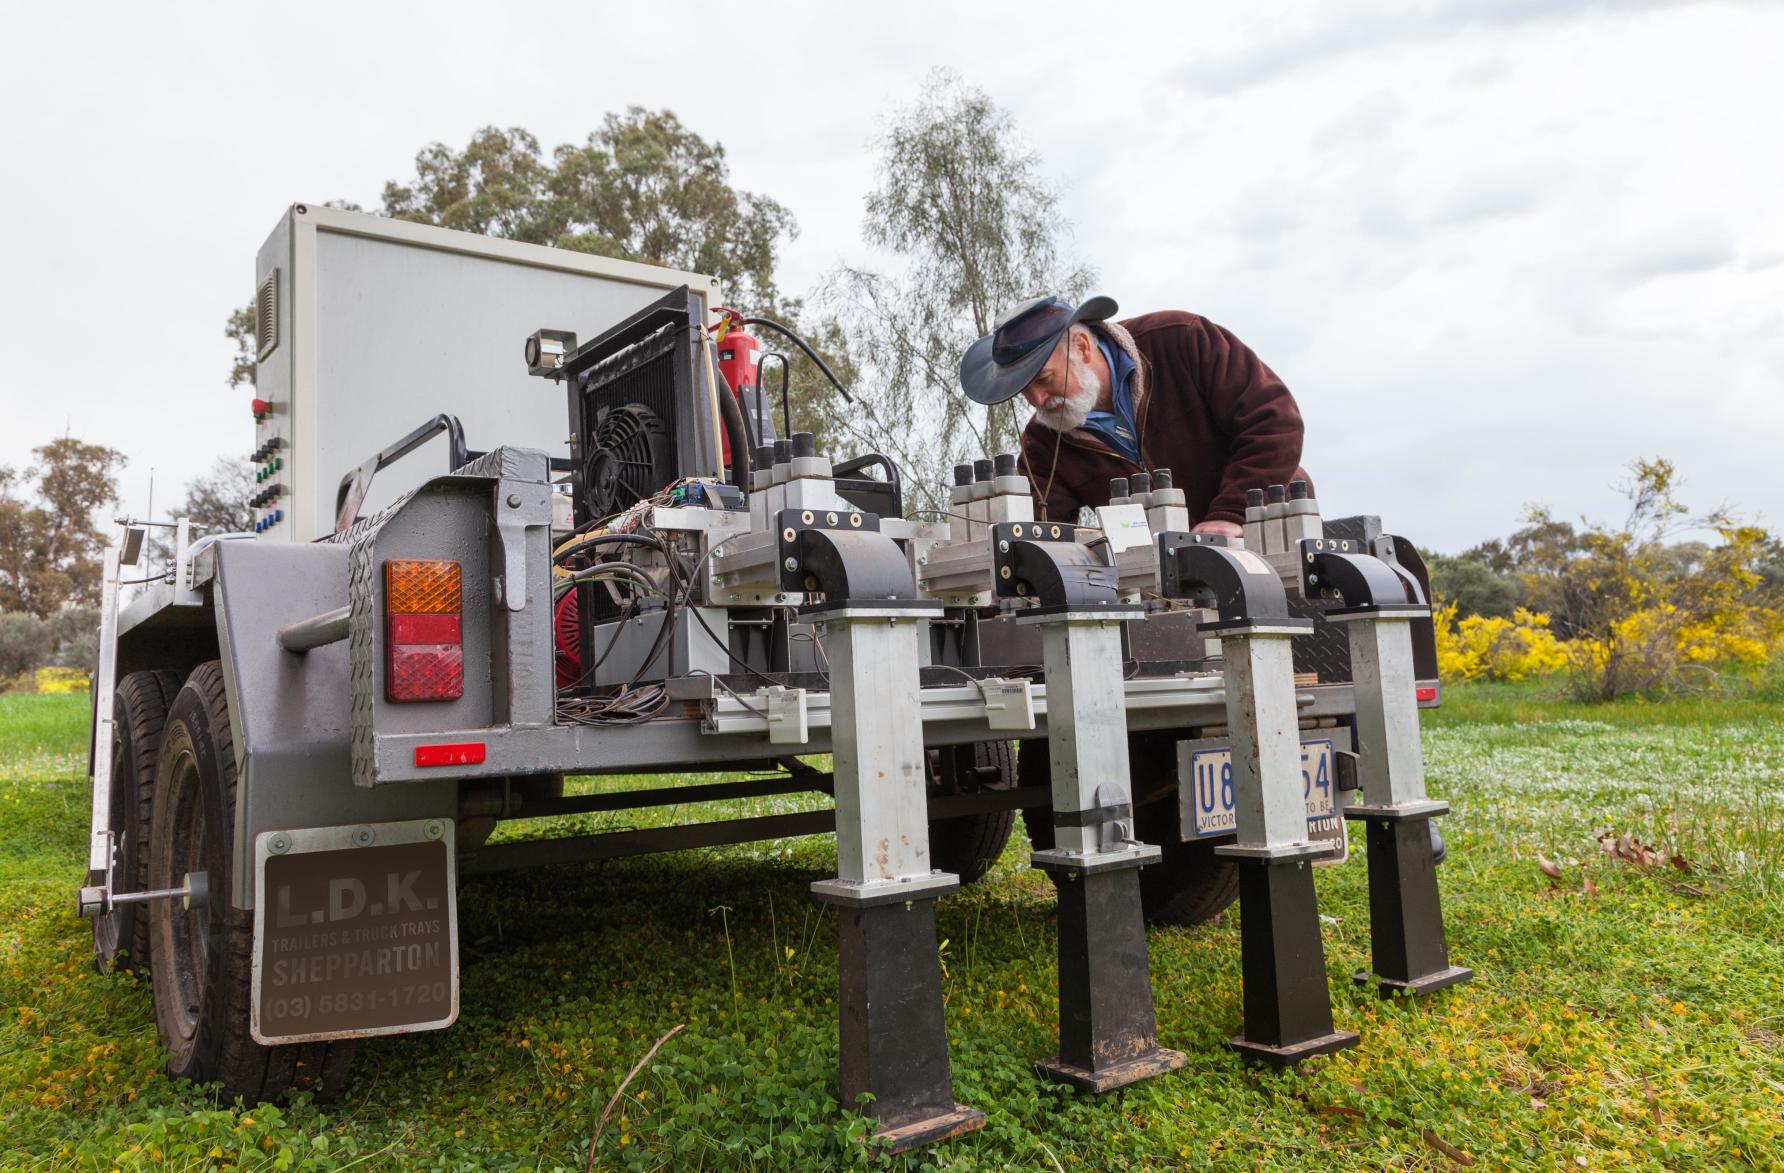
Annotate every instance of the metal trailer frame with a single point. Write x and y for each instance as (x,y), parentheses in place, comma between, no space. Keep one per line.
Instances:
(325,761)
(310,756)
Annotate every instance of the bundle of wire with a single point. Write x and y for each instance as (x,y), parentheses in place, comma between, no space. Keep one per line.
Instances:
(576,560)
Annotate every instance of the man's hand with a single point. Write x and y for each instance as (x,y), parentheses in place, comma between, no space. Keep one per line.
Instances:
(1225,529)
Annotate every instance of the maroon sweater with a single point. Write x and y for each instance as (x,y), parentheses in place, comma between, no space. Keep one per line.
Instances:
(1205,407)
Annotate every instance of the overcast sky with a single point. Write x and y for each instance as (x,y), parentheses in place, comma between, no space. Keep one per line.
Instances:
(1497,248)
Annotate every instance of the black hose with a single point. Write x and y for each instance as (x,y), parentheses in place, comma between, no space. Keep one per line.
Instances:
(614,539)
(809,353)
(736,435)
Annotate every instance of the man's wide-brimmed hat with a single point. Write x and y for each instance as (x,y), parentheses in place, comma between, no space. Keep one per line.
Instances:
(999,365)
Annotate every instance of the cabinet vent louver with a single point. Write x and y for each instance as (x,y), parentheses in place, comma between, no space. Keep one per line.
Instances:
(266,317)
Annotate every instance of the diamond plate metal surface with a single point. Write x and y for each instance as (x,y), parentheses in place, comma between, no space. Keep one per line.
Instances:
(1326,652)
(365,612)
(362,618)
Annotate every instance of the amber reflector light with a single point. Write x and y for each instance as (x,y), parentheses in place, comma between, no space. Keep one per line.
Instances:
(423,632)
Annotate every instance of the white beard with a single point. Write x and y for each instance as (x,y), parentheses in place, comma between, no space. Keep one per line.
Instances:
(1070,411)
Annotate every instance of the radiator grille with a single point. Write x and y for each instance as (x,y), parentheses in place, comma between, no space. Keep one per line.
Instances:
(644,376)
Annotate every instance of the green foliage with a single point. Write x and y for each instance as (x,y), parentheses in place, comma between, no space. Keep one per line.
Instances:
(76,634)
(1592,1032)
(643,187)
(497,186)
(49,548)
(25,642)
(67,639)
(962,206)
(1473,586)
(239,329)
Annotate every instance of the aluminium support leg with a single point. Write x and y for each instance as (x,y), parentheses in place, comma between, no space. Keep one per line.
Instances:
(1288,1008)
(894,1038)
(1108,1034)
(1408,951)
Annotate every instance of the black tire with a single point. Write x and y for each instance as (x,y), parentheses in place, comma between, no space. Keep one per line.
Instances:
(968,845)
(139,709)
(202,959)
(1190,885)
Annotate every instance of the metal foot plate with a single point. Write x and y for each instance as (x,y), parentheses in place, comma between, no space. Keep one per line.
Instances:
(1430,983)
(959,1122)
(1158,1062)
(1288,1053)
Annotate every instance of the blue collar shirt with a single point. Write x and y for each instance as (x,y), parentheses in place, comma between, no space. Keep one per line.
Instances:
(1116,428)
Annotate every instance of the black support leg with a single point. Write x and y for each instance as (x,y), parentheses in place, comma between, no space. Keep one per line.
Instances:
(1288,1009)
(1406,940)
(1108,1037)
(894,1037)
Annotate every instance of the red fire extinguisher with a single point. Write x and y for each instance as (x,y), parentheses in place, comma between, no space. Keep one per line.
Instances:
(738,350)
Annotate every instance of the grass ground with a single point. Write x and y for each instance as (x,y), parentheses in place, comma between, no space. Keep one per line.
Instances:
(1621,1015)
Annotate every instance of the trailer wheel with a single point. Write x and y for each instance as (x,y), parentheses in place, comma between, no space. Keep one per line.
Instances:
(968,845)
(139,709)
(1190,885)
(202,959)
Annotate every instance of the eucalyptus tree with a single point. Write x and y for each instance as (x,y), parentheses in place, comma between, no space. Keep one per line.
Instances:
(971,226)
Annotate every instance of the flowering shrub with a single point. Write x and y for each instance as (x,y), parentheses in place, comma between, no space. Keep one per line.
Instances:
(57,680)
(1626,609)
(1483,647)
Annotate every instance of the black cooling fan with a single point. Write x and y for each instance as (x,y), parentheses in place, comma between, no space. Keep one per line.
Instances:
(625,456)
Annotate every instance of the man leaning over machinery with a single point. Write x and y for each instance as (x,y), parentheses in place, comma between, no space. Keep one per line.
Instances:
(1163,390)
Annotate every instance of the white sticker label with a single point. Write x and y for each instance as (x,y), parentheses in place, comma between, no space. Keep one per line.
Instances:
(1124,526)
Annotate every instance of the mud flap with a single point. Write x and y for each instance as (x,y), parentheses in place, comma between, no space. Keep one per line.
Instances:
(355,931)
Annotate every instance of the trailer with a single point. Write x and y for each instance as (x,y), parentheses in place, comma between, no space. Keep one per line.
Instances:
(306,734)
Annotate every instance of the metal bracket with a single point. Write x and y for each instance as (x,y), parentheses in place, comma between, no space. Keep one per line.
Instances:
(185,579)
(1241,586)
(1117,827)
(1044,561)
(519,506)
(842,554)
(1368,585)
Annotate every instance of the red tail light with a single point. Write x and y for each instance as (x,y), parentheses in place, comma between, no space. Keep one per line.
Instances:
(423,632)
(1426,694)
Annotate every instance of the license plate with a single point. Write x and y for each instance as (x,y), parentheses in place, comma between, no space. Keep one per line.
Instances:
(1211,793)
(355,931)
